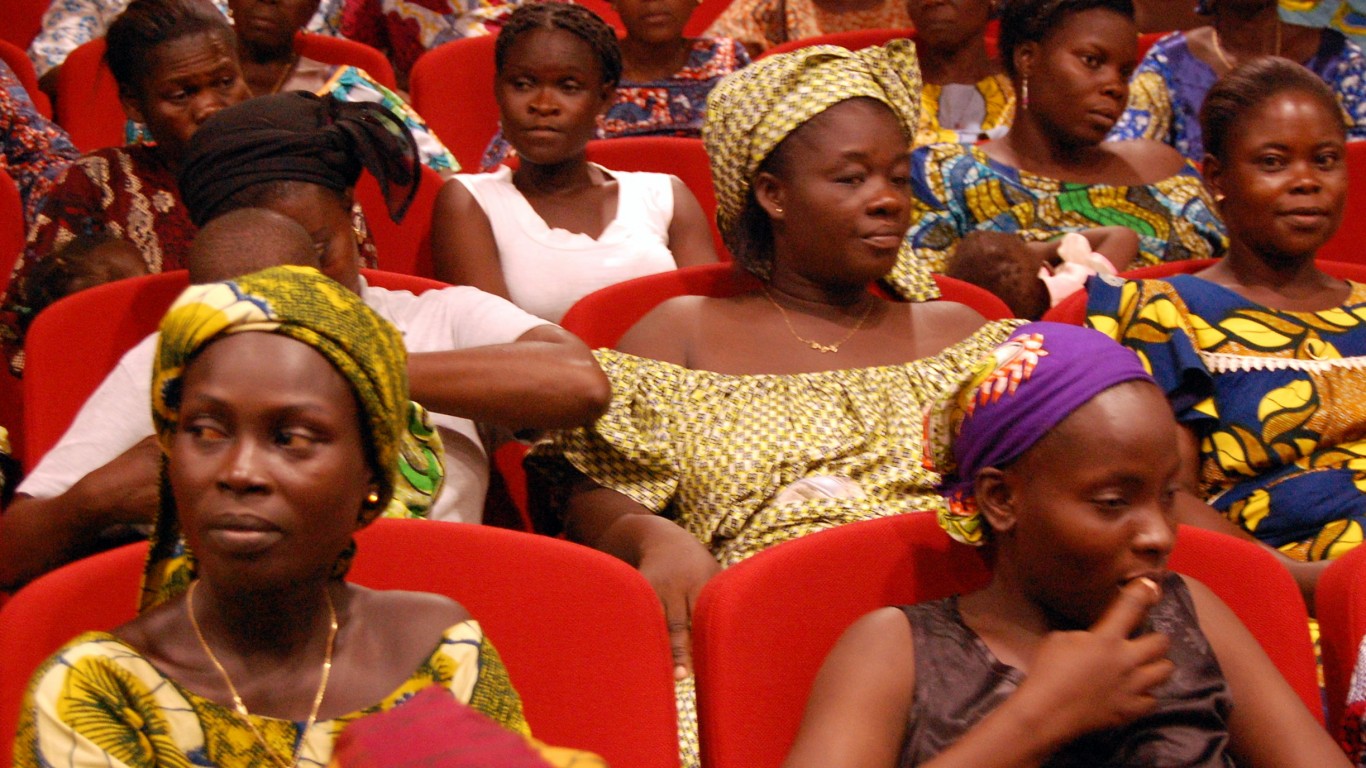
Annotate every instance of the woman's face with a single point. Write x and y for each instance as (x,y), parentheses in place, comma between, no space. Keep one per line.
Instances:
(550,94)
(327,219)
(270,24)
(948,23)
(1079,75)
(1092,503)
(839,197)
(1284,179)
(188,80)
(268,467)
(654,21)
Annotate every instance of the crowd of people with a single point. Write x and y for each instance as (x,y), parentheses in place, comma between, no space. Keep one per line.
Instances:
(1020,146)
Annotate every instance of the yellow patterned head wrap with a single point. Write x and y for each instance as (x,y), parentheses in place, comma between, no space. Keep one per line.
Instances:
(753,109)
(298,302)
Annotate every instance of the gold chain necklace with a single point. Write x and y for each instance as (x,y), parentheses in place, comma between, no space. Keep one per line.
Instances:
(284,76)
(237,700)
(816,345)
(1219,49)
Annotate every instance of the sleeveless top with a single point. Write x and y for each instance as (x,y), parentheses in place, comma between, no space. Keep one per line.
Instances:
(958,682)
(548,269)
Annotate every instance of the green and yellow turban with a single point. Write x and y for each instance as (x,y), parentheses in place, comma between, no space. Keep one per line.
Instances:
(752,110)
(302,304)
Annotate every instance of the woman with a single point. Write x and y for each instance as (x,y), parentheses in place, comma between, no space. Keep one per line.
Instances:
(1173,78)
(665,77)
(35,151)
(762,24)
(405,29)
(1083,649)
(559,227)
(1260,354)
(270,470)
(738,423)
(967,97)
(1070,62)
(175,62)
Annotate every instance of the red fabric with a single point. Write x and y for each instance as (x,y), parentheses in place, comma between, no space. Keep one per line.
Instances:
(460,108)
(1340,603)
(405,248)
(19,63)
(88,105)
(762,628)
(21,22)
(1349,243)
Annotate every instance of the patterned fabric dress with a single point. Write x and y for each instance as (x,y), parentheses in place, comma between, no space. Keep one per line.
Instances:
(959,189)
(34,151)
(406,29)
(1346,16)
(1277,398)
(97,701)
(762,24)
(1171,82)
(965,114)
(673,106)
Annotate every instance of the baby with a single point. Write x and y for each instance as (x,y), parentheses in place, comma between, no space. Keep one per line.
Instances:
(85,262)
(1032,277)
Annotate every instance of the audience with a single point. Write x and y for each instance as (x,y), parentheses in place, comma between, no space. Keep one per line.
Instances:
(559,227)
(1177,72)
(967,96)
(762,24)
(1052,173)
(1260,353)
(84,262)
(175,62)
(270,469)
(665,76)
(1083,649)
(474,357)
(739,423)
(405,29)
(34,151)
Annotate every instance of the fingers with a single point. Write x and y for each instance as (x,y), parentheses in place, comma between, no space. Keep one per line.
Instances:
(1129,609)
(680,639)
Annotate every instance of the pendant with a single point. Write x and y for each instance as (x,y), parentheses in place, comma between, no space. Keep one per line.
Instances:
(823,347)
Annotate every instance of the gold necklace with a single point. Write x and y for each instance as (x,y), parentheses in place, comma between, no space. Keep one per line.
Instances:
(284,76)
(1219,49)
(237,700)
(816,345)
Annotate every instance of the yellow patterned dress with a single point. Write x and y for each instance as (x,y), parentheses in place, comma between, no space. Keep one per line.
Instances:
(958,189)
(762,24)
(97,702)
(1277,398)
(949,117)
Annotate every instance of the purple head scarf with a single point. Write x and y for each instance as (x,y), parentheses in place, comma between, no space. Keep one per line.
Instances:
(1027,386)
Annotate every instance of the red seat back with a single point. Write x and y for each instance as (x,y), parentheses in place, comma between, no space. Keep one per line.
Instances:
(542,602)
(19,63)
(452,88)
(21,22)
(1340,604)
(342,52)
(88,105)
(1346,244)
(762,628)
(406,247)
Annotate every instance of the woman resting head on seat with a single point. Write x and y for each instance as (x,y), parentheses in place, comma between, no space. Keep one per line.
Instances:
(1053,173)
(252,648)
(1261,354)
(1178,71)
(967,96)
(175,62)
(665,77)
(737,423)
(1083,649)
(559,227)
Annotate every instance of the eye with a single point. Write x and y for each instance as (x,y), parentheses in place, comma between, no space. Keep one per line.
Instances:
(1090,60)
(227,83)
(1111,503)
(176,97)
(571,86)
(1270,162)
(1328,160)
(205,431)
(296,440)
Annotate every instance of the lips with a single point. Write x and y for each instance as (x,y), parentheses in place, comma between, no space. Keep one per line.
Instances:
(242,535)
(1305,218)
(883,240)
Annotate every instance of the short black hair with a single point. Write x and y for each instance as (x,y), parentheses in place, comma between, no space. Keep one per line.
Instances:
(1024,21)
(146,24)
(1249,85)
(574,19)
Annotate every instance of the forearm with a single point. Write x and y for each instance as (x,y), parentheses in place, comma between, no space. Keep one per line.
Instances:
(39,535)
(1010,737)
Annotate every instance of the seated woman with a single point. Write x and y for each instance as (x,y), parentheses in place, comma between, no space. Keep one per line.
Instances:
(1173,78)
(1261,354)
(1083,649)
(762,24)
(559,227)
(405,29)
(34,151)
(738,423)
(967,96)
(1053,172)
(251,648)
(665,77)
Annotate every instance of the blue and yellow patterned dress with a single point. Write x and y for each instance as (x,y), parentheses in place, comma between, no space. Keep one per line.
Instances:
(943,117)
(1170,84)
(957,190)
(1277,399)
(99,702)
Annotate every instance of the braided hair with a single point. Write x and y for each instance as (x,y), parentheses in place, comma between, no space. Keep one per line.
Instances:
(1025,21)
(569,17)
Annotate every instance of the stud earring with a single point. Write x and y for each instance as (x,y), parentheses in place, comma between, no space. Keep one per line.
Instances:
(778,210)
(372,498)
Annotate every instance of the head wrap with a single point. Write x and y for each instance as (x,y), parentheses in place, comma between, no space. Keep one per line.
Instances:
(1025,388)
(302,304)
(298,137)
(752,110)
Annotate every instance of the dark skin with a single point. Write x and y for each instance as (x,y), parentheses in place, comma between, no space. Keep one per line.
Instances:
(1248,29)
(265,38)
(1283,181)
(1078,557)
(263,458)
(654,47)
(843,174)
(550,94)
(951,41)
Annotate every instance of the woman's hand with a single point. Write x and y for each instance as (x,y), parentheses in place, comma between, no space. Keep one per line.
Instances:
(677,566)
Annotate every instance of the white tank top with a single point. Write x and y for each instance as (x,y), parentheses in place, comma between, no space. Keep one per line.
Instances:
(548,269)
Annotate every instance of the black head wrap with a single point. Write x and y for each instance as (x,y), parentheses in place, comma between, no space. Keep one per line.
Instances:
(298,137)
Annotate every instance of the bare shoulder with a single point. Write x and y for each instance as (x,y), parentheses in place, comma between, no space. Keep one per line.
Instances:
(455,199)
(941,324)
(666,332)
(416,617)
(1151,161)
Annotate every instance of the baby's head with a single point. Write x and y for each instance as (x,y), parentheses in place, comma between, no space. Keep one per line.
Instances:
(84,262)
(1003,264)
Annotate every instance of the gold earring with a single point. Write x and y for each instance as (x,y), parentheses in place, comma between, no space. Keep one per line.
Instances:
(1218,197)
(778,210)
(359,233)
(372,498)
(1024,93)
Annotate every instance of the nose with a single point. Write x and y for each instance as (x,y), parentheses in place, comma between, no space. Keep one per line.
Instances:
(543,102)
(243,468)
(1116,85)
(1307,179)
(889,198)
(207,103)
(1155,533)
